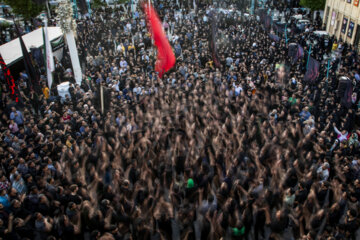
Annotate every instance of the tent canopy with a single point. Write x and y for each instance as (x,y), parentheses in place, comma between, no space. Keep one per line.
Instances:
(11,51)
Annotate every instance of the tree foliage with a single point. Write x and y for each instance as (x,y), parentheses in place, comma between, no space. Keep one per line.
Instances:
(102,3)
(314,5)
(98,4)
(26,8)
(122,1)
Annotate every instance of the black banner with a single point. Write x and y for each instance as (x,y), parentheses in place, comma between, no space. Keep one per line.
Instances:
(13,88)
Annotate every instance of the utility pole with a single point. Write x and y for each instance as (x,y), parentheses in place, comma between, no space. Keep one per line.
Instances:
(252,7)
(89,7)
(327,69)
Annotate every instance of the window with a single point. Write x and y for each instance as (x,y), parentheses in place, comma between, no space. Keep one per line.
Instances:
(344,25)
(333,18)
(351,29)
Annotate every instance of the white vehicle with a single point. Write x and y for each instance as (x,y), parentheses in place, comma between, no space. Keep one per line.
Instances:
(321,33)
(3,9)
(302,24)
(305,10)
(54,2)
(3,20)
(297,17)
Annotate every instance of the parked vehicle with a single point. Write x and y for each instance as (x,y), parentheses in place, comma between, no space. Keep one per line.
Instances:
(54,2)
(296,17)
(4,10)
(323,34)
(302,24)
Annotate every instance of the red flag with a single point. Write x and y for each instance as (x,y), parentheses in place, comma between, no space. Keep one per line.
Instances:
(14,91)
(166,57)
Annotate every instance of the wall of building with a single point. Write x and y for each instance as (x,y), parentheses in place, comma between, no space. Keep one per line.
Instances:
(346,29)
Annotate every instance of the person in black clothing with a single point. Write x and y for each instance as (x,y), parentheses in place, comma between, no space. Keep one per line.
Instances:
(205,152)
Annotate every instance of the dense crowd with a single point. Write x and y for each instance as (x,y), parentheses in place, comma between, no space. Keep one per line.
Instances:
(240,151)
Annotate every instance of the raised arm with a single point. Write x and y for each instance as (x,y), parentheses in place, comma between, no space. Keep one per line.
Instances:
(337,130)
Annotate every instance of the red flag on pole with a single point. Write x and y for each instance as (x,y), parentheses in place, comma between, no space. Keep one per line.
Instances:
(166,58)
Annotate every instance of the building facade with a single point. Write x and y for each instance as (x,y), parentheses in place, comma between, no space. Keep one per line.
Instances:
(342,19)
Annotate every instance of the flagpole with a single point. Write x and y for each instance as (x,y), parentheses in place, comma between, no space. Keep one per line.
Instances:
(131,8)
(152,40)
(286,39)
(328,68)
(252,7)
(309,53)
(89,7)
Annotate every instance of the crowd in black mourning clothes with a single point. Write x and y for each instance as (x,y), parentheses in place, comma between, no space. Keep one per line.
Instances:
(240,151)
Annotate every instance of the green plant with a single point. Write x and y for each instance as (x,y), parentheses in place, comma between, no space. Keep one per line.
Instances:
(5,25)
(26,8)
(314,5)
(122,1)
(98,4)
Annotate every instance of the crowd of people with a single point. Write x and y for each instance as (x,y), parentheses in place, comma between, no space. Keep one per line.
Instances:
(237,151)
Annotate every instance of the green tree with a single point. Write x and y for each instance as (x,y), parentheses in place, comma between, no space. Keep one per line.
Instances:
(98,4)
(26,8)
(314,5)
(122,1)
(102,3)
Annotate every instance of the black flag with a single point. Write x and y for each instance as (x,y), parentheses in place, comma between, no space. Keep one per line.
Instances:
(29,67)
(82,6)
(313,71)
(345,90)
(295,52)
(38,56)
(274,37)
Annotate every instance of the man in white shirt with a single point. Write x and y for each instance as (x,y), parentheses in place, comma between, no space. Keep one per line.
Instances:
(122,70)
(137,90)
(145,57)
(128,26)
(123,63)
(238,89)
